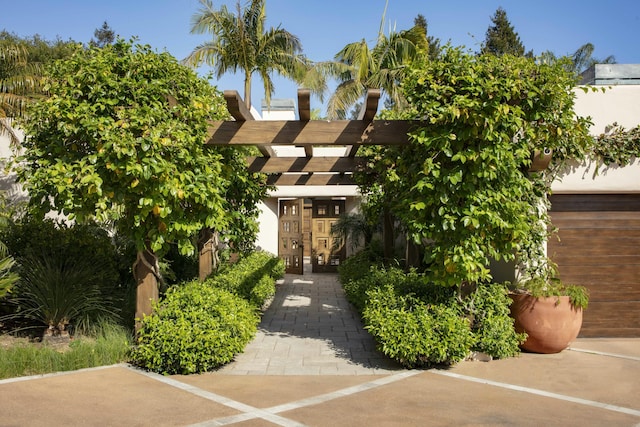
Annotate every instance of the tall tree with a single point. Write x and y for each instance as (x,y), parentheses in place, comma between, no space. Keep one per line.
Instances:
(434,43)
(501,38)
(359,67)
(121,139)
(583,58)
(579,60)
(21,66)
(241,42)
(103,36)
(20,81)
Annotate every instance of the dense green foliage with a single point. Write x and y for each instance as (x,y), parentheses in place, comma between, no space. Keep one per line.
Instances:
(121,139)
(7,277)
(462,188)
(194,328)
(199,326)
(618,145)
(488,307)
(251,278)
(418,323)
(69,275)
(106,344)
(416,333)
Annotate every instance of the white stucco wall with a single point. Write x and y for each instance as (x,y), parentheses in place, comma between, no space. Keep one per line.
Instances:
(267,238)
(13,191)
(617,104)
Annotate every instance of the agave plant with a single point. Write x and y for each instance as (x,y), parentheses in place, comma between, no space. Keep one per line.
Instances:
(59,291)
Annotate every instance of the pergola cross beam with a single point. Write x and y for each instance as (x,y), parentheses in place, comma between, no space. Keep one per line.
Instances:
(307,133)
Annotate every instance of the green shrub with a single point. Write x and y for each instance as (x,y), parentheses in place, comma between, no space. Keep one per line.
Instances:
(357,289)
(47,253)
(252,277)
(7,277)
(56,292)
(194,328)
(495,334)
(358,264)
(418,323)
(414,333)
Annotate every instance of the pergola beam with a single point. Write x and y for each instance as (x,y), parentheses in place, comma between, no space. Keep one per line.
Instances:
(304,114)
(367,113)
(311,179)
(241,113)
(304,164)
(313,132)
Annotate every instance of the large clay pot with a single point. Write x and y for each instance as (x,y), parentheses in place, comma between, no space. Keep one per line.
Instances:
(551,323)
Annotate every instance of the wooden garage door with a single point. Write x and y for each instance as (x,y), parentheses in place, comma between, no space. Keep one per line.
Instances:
(599,247)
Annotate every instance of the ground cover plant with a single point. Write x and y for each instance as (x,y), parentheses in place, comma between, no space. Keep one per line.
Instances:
(105,344)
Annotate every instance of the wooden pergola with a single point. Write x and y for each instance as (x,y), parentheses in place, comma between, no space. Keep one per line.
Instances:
(309,169)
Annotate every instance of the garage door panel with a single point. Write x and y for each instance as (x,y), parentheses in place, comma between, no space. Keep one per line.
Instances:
(610,235)
(599,248)
(595,202)
(582,219)
(627,312)
(588,249)
(562,257)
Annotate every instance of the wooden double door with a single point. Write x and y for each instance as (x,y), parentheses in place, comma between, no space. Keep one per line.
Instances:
(305,231)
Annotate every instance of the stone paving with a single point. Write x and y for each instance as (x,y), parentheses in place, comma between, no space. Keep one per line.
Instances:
(311,329)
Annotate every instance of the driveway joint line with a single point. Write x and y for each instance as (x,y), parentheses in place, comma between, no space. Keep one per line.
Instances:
(578,400)
(602,353)
(217,398)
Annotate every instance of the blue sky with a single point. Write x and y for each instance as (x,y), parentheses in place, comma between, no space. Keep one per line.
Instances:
(324,27)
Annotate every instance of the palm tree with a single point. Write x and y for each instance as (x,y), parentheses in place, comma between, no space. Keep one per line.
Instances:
(583,58)
(359,68)
(579,60)
(20,82)
(241,42)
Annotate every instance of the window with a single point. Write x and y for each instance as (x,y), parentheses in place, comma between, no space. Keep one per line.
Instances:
(286,227)
(322,210)
(336,209)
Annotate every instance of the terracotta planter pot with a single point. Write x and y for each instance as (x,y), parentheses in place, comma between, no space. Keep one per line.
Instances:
(551,325)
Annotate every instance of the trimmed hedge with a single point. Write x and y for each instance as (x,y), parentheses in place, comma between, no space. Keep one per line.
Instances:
(195,328)
(419,324)
(251,277)
(199,326)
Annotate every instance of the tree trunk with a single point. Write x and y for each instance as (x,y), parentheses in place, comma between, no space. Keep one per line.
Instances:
(387,235)
(208,253)
(247,91)
(145,271)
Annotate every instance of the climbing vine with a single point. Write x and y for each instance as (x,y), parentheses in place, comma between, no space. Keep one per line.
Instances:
(617,145)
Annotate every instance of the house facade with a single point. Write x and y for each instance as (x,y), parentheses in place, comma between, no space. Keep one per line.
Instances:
(598,214)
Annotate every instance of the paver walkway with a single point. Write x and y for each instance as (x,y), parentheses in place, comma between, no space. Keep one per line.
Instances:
(311,329)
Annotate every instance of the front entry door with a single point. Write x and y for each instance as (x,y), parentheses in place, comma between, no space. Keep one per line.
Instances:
(324,257)
(290,235)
